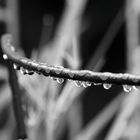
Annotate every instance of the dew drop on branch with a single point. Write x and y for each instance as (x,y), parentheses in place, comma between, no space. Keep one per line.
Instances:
(136,87)
(47,70)
(16,67)
(127,88)
(60,80)
(29,72)
(54,78)
(97,84)
(59,69)
(85,84)
(5,56)
(78,83)
(107,86)
(88,83)
(22,70)
(71,74)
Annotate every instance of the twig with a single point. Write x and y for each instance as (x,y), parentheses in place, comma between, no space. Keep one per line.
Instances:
(59,72)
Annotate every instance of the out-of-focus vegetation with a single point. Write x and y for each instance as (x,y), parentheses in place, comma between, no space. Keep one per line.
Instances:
(76,34)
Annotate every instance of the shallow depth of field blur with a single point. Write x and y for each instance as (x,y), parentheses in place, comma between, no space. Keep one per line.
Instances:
(96,35)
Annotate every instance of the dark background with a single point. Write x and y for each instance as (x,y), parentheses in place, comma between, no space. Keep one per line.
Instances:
(99,14)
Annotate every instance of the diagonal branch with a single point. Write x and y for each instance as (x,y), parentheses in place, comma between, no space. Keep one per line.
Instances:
(59,72)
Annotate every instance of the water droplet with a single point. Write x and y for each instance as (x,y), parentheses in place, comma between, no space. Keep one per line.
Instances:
(60,80)
(54,78)
(97,84)
(84,84)
(136,87)
(71,74)
(107,86)
(59,69)
(127,88)
(125,76)
(29,72)
(103,77)
(78,83)
(5,56)
(47,70)
(88,83)
(22,70)
(16,67)
(37,73)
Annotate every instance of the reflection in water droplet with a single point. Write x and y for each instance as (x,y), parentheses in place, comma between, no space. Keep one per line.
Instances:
(54,78)
(78,83)
(103,77)
(85,85)
(88,83)
(22,70)
(136,87)
(47,70)
(60,80)
(97,84)
(107,86)
(127,88)
(59,69)
(16,67)
(71,74)
(29,72)
(5,56)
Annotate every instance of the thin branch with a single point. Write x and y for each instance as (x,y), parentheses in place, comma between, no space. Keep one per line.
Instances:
(59,72)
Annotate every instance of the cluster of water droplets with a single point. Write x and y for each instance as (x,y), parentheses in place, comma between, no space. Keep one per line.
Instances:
(78,83)
(129,88)
(84,84)
(22,70)
(107,86)
(58,80)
